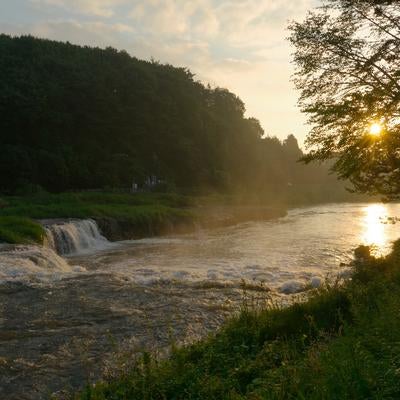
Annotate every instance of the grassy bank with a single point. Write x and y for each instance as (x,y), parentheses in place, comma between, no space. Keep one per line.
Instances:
(343,343)
(125,215)
(89,204)
(143,211)
(20,230)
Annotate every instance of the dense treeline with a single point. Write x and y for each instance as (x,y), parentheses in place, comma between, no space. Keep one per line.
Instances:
(78,117)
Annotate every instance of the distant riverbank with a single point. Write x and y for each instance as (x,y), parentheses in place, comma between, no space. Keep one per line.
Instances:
(123,216)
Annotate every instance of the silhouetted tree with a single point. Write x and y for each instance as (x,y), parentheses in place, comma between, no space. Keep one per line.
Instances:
(347,55)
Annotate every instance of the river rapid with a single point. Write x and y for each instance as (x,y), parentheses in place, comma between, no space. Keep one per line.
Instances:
(70,318)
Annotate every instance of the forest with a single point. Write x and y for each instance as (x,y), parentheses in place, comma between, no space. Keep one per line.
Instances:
(78,118)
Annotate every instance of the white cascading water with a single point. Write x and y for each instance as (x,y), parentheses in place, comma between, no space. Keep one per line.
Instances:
(32,264)
(75,236)
(35,264)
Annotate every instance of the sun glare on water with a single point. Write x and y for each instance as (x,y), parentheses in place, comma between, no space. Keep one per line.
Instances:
(375,129)
(375,233)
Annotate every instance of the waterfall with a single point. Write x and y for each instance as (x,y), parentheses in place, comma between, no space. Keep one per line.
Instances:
(32,264)
(74,236)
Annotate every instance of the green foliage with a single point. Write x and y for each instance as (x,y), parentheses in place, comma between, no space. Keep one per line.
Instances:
(144,211)
(139,213)
(3,203)
(20,230)
(343,343)
(88,118)
(86,204)
(348,63)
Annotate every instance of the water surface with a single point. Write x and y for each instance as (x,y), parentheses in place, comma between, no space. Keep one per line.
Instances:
(308,242)
(67,321)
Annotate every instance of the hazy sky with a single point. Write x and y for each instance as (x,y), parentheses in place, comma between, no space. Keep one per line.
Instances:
(237,44)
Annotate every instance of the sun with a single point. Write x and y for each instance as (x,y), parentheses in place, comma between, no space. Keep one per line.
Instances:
(375,129)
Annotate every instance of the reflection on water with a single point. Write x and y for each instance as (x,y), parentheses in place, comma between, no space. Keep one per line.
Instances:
(375,230)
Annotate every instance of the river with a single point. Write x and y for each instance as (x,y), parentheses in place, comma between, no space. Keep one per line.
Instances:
(68,321)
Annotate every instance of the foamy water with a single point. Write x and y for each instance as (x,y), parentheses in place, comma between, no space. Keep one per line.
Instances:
(287,254)
(300,249)
(32,264)
(75,237)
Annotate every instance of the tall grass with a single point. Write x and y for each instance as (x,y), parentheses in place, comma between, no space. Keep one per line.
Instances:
(89,204)
(343,343)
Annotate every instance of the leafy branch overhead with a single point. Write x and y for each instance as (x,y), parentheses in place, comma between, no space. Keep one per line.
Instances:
(347,55)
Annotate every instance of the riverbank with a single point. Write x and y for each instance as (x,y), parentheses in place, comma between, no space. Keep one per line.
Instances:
(123,216)
(341,343)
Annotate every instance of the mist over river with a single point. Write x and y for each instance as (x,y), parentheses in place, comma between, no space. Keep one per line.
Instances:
(68,321)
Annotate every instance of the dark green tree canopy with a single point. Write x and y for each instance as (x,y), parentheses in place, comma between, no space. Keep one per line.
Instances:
(347,55)
(87,118)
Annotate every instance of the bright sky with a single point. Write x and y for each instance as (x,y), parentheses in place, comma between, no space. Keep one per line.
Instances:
(237,44)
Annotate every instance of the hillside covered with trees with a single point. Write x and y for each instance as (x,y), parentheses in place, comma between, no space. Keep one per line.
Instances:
(80,118)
